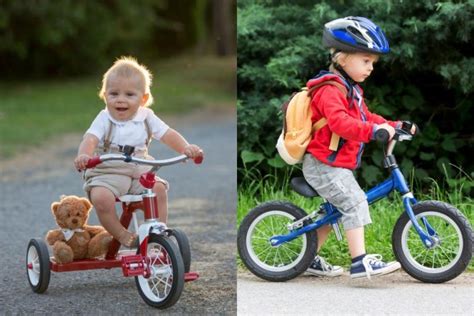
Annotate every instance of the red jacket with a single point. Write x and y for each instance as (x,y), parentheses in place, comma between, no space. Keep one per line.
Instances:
(353,123)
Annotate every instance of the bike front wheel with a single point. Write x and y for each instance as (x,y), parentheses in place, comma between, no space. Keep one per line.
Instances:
(452,251)
(282,262)
(163,287)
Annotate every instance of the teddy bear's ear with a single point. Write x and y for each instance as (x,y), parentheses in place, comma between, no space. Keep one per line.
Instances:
(87,204)
(54,207)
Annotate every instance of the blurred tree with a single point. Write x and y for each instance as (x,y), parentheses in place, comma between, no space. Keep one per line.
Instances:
(224,32)
(64,37)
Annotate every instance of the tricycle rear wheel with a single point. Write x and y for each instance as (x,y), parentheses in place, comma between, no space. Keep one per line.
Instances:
(37,265)
(183,243)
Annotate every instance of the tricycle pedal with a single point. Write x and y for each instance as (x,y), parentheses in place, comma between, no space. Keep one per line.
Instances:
(135,265)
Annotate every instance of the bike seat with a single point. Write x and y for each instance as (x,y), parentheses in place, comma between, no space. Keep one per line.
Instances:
(300,186)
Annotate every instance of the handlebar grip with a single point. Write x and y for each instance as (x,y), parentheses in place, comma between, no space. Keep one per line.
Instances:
(382,135)
(198,160)
(93,162)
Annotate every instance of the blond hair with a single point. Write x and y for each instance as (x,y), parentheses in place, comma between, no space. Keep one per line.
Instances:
(128,67)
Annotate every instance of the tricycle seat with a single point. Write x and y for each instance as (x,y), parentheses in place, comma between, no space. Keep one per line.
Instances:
(129,198)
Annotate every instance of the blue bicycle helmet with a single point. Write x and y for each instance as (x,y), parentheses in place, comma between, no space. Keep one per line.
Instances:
(355,34)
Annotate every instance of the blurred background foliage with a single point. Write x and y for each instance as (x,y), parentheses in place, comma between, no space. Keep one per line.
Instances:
(46,37)
(427,78)
(53,55)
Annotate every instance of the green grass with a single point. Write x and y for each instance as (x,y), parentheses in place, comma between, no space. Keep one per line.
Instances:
(384,215)
(32,112)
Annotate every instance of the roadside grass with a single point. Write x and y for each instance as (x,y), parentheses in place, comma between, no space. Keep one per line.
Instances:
(384,215)
(32,112)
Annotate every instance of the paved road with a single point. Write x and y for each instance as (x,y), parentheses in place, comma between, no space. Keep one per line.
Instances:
(395,294)
(202,203)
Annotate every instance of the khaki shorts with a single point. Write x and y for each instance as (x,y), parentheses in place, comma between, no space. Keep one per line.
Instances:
(340,188)
(119,177)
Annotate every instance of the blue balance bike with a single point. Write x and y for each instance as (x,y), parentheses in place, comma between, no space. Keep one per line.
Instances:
(432,240)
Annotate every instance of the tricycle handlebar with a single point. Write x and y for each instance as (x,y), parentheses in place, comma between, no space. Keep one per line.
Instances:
(127,158)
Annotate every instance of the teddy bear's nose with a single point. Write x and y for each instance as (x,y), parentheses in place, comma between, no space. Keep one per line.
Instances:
(74,221)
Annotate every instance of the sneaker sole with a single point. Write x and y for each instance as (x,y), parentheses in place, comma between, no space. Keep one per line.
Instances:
(324,274)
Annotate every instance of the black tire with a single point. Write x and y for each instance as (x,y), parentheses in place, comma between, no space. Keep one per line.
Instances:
(38,265)
(444,261)
(295,262)
(172,269)
(183,243)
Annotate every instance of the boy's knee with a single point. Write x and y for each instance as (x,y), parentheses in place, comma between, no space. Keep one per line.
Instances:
(101,198)
(160,189)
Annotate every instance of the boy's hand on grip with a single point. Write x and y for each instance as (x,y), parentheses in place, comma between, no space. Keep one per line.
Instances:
(81,161)
(388,128)
(193,151)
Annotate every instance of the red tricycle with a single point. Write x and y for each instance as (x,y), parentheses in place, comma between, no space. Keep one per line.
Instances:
(160,265)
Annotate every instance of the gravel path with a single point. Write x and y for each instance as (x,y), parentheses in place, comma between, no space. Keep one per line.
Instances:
(201,201)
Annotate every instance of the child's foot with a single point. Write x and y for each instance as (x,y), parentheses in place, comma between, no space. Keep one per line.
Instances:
(128,239)
(372,265)
(320,267)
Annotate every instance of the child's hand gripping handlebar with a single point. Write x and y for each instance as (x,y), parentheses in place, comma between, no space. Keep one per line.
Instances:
(401,134)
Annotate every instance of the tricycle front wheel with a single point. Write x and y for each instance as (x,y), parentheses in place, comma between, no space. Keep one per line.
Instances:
(37,265)
(452,251)
(163,287)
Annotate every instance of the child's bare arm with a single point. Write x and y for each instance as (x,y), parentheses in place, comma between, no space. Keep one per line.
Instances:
(86,149)
(176,141)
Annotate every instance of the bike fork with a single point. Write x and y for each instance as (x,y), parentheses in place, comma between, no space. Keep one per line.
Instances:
(428,240)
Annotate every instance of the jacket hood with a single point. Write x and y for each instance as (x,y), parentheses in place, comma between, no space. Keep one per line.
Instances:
(326,76)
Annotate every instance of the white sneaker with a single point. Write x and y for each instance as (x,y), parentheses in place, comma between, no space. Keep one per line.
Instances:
(320,267)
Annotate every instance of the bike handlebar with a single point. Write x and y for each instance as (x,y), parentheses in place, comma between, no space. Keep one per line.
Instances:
(127,158)
(382,135)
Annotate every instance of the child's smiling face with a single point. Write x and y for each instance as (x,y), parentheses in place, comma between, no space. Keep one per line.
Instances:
(359,66)
(124,95)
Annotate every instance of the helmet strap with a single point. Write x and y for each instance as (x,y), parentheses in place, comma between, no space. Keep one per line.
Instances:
(344,74)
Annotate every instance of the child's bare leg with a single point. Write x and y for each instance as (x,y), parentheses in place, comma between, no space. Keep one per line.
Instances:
(104,202)
(162,196)
(323,233)
(356,241)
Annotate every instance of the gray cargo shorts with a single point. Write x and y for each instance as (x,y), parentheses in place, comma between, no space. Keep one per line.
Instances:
(340,188)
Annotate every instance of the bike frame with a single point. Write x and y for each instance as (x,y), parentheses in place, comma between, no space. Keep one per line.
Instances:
(396,182)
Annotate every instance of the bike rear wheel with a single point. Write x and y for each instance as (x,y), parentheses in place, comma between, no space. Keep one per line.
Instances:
(280,263)
(450,255)
(163,287)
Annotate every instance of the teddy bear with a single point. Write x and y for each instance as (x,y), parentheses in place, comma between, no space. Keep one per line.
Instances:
(74,239)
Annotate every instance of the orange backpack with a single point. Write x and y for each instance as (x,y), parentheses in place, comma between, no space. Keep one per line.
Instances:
(297,126)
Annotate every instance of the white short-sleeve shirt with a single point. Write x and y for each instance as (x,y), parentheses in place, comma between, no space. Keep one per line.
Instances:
(132,132)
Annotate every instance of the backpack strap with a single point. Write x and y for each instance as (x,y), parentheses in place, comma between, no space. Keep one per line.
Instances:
(334,143)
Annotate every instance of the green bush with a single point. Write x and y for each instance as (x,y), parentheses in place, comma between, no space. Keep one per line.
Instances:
(426,78)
